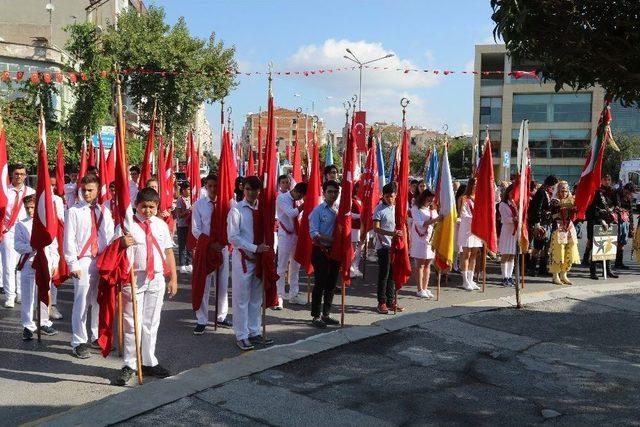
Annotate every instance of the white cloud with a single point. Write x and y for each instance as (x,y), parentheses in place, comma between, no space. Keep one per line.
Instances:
(429,56)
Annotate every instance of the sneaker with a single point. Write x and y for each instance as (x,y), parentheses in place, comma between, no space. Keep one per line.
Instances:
(382,308)
(27,335)
(155,371)
(48,330)
(183,269)
(329,321)
(9,303)
(318,323)
(397,308)
(279,306)
(422,294)
(199,329)
(258,340)
(429,293)
(511,282)
(54,313)
(18,299)
(468,287)
(298,300)
(124,376)
(81,351)
(94,345)
(244,345)
(225,323)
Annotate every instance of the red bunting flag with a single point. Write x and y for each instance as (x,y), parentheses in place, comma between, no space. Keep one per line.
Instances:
(369,187)
(311,200)
(400,245)
(60,170)
(483,224)
(147,161)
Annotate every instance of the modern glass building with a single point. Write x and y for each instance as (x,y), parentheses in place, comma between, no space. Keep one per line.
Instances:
(561,124)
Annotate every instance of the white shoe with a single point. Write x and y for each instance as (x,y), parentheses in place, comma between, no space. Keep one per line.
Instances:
(9,303)
(354,272)
(183,269)
(429,294)
(468,287)
(372,258)
(298,300)
(280,304)
(55,313)
(189,268)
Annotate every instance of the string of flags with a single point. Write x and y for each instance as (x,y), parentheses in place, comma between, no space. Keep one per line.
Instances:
(73,77)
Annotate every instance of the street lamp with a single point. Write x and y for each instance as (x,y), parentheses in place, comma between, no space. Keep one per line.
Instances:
(361,64)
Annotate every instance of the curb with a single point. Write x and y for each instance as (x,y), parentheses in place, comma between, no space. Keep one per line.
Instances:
(137,400)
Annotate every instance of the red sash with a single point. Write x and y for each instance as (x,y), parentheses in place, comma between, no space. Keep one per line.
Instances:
(154,241)
(93,238)
(15,210)
(23,261)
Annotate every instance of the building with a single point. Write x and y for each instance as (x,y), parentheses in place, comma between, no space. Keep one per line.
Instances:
(561,125)
(288,123)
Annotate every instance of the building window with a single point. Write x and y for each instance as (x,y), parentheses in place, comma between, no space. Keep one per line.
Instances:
(625,119)
(556,107)
(490,110)
(294,122)
(554,143)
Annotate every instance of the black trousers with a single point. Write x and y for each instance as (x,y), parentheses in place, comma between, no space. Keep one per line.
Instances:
(386,286)
(325,275)
(184,257)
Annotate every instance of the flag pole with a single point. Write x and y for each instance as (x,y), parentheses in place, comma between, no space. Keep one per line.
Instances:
(134,301)
(120,321)
(438,287)
(265,173)
(217,278)
(38,314)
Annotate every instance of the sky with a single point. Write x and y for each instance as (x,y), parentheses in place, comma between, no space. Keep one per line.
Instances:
(299,35)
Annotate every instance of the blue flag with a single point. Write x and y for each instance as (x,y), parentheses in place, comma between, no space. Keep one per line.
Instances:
(392,164)
(380,161)
(328,161)
(432,171)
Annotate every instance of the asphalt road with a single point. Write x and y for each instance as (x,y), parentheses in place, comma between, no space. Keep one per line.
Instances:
(39,379)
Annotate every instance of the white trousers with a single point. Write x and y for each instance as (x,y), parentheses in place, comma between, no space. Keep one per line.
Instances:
(149,298)
(29,298)
(202,314)
(53,294)
(247,299)
(357,256)
(85,298)
(10,259)
(286,250)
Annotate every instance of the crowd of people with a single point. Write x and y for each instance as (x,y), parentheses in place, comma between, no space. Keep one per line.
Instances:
(89,230)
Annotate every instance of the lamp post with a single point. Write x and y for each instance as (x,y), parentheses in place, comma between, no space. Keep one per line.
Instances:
(354,58)
(50,8)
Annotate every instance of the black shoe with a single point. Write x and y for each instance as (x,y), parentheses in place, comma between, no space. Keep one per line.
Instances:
(611,273)
(199,329)
(258,340)
(1,290)
(81,351)
(94,345)
(155,371)
(244,345)
(48,330)
(318,323)
(27,335)
(226,323)
(330,321)
(124,376)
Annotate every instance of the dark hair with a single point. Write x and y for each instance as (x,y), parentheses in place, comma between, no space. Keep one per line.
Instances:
(210,177)
(461,190)
(16,166)
(508,190)
(471,186)
(134,168)
(184,185)
(606,175)
(629,187)
(389,188)
(532,185)
(112,184)
(281,177)
(28,199)
(239,181)
(421,198)
(92,169)
(330,183)
(301,188)
(329,168)
(147,194)
(356,185)
(252,182)
(551,180)
(414,181)
(90,178)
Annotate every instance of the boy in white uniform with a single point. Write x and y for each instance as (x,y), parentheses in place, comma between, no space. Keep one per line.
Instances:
(150,248)
(71,189)
(15,212)
(246,287)
(288,212)
(88,231)
(58,205)
(27,276)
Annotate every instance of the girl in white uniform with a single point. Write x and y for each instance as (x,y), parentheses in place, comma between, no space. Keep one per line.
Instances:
(424,216)
(507,242)
(469,243)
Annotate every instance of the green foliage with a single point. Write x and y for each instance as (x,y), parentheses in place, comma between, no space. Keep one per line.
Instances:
(578,43)
(629,149)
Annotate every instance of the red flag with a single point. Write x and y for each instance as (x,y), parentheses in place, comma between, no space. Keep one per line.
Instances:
(250,167)
(170,176)
(92,154)
(342,249)
(266,261)
(111,166)
(147,162)
(104,193)
(399,245)
(4,175)
(360,130)
(260,157)
(483,224)
(45,222)
(194,166)
(311,200)
(83,161)
(369,187)
(60,170)
(164,182)
(296,166)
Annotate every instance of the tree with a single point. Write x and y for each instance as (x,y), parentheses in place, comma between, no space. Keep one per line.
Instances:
(579,43)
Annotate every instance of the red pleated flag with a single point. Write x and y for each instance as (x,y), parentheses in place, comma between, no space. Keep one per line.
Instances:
(83,161)
(104,193)
(250,166)
(92,154)
(111,166)
(260,156)
(194,164)
(483,224)
(164,182)
(369,186)
(59,170)
(311,200)
(147,163)
(399,245)
(297,165)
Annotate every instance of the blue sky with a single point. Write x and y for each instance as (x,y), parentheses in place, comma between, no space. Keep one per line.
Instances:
(299,35)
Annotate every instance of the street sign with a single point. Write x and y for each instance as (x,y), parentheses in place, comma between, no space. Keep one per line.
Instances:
(605,243)
(108,134)
(506,159)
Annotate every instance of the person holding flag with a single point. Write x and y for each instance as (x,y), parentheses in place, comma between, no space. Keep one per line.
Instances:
(424,216)
(14,212)
(469,242)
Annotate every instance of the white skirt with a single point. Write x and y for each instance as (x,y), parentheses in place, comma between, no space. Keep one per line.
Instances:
(466,239)
(421,249)
(507,241)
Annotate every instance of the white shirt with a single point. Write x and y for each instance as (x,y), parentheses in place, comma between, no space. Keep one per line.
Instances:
(77,232)
(201,217)
(11,199)
(22,243)
(286,212)
(71,193)
(133,192)
(58,205)
(138,252)
(240,226)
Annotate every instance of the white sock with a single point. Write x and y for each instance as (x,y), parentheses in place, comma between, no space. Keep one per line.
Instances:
(509,268)
(465,278)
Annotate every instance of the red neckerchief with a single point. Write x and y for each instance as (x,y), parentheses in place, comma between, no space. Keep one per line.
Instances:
(257,238)
(151,242)
(15,210)
(93,238)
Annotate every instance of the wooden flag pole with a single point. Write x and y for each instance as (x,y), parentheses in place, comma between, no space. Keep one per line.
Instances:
(344,292)
(484,268)
(215,310)
(120,321)
(38,314)
(438,287)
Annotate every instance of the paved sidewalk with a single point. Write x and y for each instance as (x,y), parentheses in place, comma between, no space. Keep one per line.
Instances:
(571,355)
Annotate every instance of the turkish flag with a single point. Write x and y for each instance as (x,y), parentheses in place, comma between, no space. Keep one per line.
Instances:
(250,166)
(111,166)
(92,154)
(400,245)
(169,174)
(194,165)
(4,175)
(483,223)
(147,165)
(311,200)
(260,156)
(60,170)
(360,130)
(369,187)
